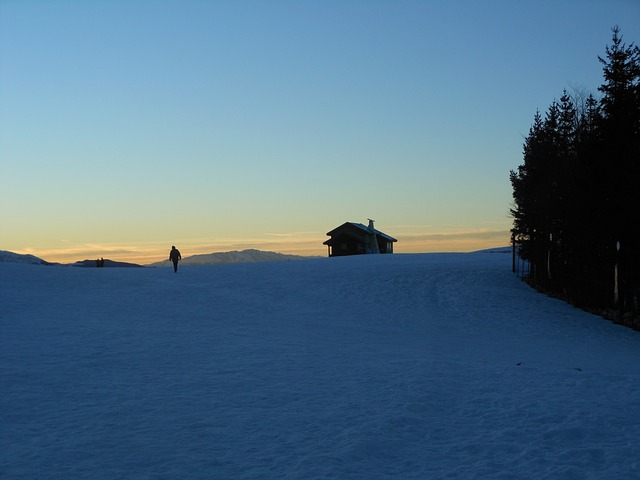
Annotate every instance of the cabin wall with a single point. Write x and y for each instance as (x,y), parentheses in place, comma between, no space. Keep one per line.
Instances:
(342,246)
(346,246)
(384,246)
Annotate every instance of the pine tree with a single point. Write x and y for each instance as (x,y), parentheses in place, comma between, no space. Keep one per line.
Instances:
(535,193)
(620,131)
(576,195)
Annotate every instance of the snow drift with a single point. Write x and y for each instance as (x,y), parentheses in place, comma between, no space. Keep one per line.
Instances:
(366,367)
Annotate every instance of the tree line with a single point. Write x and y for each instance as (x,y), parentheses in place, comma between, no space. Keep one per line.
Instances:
(576,195)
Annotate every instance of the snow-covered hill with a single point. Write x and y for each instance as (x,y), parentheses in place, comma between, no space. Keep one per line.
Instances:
(224,258)
(10,257)
(366,367)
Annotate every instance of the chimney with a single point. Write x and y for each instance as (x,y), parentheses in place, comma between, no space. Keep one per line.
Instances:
(373,239)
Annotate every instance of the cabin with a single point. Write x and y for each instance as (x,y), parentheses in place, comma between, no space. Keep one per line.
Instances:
(355,239)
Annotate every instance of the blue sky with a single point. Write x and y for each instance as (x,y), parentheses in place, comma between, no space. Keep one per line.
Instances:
(127,127)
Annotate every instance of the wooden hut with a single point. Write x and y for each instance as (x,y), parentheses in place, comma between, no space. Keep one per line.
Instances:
(352,238)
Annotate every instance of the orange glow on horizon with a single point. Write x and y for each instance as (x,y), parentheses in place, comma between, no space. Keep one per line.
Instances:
(304,245)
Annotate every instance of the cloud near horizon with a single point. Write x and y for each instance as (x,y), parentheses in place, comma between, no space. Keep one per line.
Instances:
(462,241)
(297,243)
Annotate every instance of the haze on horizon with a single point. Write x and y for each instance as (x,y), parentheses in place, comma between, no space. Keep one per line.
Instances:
(128,127)
(145,254)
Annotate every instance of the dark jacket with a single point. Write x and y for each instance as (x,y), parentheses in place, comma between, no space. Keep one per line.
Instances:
(174,255)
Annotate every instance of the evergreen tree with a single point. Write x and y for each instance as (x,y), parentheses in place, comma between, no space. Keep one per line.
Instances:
(576,195)
(621,127)
(620,131)
(526,210)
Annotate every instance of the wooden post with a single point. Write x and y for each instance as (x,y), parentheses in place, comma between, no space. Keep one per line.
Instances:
(616,280)
(513,253)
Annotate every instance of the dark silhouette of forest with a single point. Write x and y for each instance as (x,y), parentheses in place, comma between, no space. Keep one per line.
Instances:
(577,193)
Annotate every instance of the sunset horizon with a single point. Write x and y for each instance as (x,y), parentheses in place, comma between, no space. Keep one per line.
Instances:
(150,252)
(128,127)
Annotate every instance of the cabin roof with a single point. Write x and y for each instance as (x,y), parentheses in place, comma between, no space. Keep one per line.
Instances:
(360,228)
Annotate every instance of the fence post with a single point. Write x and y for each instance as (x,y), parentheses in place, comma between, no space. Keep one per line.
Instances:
(513,253)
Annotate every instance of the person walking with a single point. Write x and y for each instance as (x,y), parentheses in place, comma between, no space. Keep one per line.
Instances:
(175,257)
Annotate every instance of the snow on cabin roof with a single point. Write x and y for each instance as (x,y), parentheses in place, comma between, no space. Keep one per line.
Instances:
(365,228)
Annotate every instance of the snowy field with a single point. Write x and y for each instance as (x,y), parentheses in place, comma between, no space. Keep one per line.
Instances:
(441,366)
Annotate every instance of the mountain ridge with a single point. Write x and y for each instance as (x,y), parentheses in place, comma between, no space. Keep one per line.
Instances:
(11,257)
(216,258)
(234,256)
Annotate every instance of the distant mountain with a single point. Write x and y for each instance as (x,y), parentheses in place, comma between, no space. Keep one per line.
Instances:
(107,263)
(225,258)
(220,258)
(10,257)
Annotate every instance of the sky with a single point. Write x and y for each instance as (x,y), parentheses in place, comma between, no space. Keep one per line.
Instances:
(130,126)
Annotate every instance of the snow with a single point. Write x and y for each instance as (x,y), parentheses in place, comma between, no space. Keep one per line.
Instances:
(365,367)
